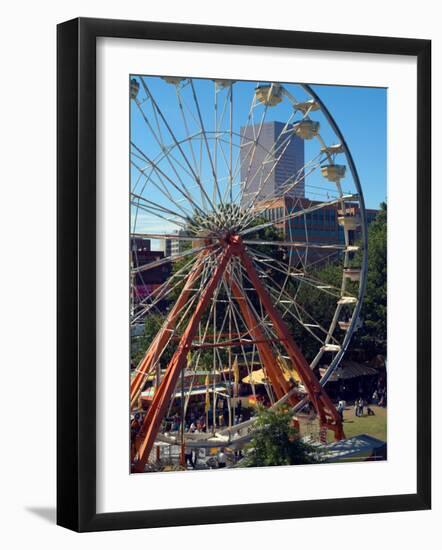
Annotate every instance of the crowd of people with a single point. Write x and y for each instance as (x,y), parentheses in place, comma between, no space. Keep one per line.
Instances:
(199,419)
(220,460)
(361,405)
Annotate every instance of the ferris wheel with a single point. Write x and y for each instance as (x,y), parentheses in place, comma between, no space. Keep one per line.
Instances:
(252,193)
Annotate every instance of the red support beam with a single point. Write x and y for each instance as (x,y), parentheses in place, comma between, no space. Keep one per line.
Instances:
(163,335)
(328,415)
(271,367)
(152,422)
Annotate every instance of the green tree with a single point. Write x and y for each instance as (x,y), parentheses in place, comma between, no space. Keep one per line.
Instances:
(371,339)
(140,344)
(315,305)
(277,442)
(372,336)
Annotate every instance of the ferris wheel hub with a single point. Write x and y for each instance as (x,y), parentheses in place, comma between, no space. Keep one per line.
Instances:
(220,222)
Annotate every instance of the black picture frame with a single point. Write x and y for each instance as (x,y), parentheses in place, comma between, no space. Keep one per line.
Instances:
(76,274)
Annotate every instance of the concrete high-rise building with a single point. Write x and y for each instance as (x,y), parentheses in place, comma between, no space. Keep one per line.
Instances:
(177,245)
(166,246)
(262,174)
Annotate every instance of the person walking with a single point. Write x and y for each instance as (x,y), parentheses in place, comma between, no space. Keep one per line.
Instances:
(221,458)
(340,409)
(361,406)
(196,453)
(188,457)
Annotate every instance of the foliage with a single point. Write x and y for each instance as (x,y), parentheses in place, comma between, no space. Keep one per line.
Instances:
(276,441)
(372,337)
(152,324)
(315,305)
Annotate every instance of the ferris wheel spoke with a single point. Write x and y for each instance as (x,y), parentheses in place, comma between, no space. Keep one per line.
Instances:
(215,145)
(227,112)
(287,186)
(183,192)
(142,178)
(242,143)
(170,200)
(255,144)
(277,292)
(291,97)
(181,166)
(163,290)
(298,213)
(181,104)
(262,182)
(166,150)
(154,205)
(209,155)
(155,213)
(226,93)
(167,236)
(217,125)
(292,182)
(265,326)
(177,143)
(168,259)
(159,186)
(172,331)
(134,217)
(231,144)
(167,288)
(297,274)
(273,156)
(237,319)
(239,163)
(297,244)
(285,302)
(261,323)
(282,298)
(279,145)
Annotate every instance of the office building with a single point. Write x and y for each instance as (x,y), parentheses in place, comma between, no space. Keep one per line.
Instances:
(270,168)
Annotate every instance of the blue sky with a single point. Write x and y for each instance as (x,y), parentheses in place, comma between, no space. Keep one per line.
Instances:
(360,114)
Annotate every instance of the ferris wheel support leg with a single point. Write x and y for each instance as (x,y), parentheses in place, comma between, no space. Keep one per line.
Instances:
(328,415)
(280,385)
(161,339)
(157,410)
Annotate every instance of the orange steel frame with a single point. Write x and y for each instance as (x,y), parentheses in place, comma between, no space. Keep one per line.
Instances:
(163,335)
(329,418)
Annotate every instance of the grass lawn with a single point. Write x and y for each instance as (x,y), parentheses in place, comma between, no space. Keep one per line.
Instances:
(375,426)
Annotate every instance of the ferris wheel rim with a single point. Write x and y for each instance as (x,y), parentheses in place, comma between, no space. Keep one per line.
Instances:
(364,265)
(356,311)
